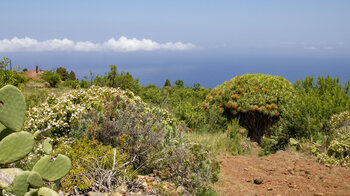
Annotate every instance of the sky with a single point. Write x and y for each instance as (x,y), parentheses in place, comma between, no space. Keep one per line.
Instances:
(204,41)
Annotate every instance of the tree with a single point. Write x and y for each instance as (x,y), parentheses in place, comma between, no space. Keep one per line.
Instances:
(258,101)
(52,78)
(196,86)
(62,72)
(112,76)
(72,76)
(167,83)
(179,83)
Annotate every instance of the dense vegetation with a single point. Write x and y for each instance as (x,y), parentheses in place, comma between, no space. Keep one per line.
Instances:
(159,131)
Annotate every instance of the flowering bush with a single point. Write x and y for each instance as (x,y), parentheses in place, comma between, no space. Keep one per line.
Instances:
(58,114)
(150,136)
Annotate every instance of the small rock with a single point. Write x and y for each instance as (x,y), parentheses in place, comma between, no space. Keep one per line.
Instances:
(290,171)
(269,189)
(258,180)
(145,184)
(121,189)
(318,194)
(91,193)
(116,194)
(292,186)
(278,195)
(180,189)
(136,194)
(245,169)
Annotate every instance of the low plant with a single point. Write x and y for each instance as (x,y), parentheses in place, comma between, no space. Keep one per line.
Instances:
(102,169)
(338,150)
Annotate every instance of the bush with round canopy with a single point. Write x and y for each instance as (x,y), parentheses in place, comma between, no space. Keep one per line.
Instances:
(258,100)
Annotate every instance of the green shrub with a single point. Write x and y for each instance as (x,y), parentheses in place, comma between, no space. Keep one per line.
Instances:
(154,141)
(338,151)
(52,78)
(9,76)
(317,101)
(95,166)
(258,101)
(71,84)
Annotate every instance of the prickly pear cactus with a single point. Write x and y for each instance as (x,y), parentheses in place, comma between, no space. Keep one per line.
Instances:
(20,184)
(15,146)
(47,192)
(12,108)
(47,147)
(53,168)
(35,180)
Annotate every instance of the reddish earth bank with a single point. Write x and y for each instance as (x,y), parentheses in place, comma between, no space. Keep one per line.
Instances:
(283,173)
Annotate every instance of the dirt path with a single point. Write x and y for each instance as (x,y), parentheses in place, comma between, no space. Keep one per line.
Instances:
(283,173)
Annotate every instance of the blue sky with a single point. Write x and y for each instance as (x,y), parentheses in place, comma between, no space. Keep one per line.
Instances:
(196,41)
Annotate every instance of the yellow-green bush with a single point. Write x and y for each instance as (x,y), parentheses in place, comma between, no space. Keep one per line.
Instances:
(338,151)
(94,166)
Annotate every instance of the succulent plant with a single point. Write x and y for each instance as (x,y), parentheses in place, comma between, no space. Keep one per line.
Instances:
(257,100)
(12,108)
(16,144)
(53,168)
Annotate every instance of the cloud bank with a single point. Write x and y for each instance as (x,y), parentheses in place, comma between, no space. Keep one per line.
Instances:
(123,44)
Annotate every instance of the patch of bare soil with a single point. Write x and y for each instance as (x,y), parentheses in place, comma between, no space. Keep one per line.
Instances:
(283,173)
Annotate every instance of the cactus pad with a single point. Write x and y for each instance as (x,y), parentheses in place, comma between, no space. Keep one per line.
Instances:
(43,191)
(51,168)
(12,108)
(4,131)
(32,192)
(15,146)
(35,180)
(47,147)
(7,175)
(20,184)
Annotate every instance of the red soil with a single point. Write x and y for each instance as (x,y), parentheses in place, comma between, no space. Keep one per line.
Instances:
(283,173)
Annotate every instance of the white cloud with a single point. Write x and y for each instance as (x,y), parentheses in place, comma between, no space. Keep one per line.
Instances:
(123,44)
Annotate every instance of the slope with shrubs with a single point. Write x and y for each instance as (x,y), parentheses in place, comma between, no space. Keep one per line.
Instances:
(150,139)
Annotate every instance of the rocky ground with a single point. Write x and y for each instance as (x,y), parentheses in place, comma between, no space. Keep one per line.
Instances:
(283,173)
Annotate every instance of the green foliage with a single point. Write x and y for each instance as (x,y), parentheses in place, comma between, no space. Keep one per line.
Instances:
(179,83)
(9,76)
(167,83)
(185,103)
(84,84)
(153,140)
(102,168)
(72,76)
(258,101)
(118,80)
(63,73)
(317,101)
(338,150)
(52,78)
(197,86)
(74,84)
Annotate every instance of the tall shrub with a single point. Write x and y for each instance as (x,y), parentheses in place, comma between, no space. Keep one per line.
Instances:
(258,100)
